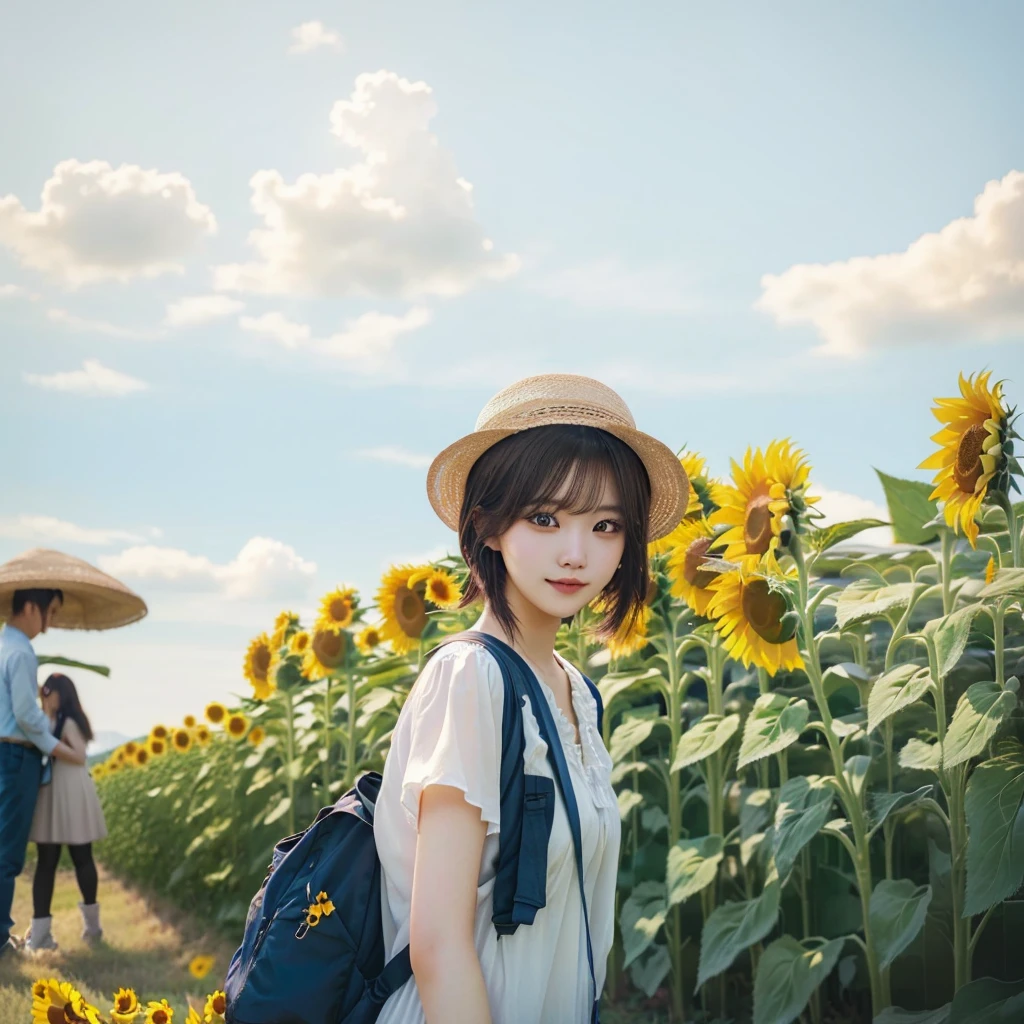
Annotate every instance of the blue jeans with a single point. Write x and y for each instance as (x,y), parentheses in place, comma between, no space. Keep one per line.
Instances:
(20,771)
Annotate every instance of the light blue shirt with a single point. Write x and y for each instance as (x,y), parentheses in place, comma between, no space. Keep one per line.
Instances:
(21,717)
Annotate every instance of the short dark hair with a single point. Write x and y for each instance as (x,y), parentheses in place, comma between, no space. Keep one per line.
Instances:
(70,704)
(41,597)
(525,472)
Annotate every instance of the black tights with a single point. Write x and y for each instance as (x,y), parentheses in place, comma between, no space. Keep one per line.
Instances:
(46,874)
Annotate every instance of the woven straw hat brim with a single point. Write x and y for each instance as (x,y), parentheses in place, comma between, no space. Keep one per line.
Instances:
(670,488)
(92,599)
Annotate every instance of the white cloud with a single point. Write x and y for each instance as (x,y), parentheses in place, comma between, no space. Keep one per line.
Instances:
(81,323)
(200,309)
(311,35)
(262,569)
(17,291)
(278,327)
(397,223)
(367,343)
(965,281)
(398,456)
(94,380)
(839,507)
(609,284)
(96,222)
(49,529)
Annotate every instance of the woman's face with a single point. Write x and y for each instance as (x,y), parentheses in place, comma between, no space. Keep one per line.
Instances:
(559,560)
(50,702)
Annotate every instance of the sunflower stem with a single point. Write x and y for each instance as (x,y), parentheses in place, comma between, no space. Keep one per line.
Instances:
(289,713)
(948,544)
(327,741)
(848,797)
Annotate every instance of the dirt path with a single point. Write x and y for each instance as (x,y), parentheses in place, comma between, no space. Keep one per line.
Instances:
(144,947)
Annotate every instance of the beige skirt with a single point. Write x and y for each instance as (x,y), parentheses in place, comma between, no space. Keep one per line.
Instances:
(68,809)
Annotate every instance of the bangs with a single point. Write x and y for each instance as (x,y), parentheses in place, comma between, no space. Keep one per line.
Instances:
(570,473)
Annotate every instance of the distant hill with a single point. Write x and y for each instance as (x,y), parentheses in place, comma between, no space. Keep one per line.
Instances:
(106,740)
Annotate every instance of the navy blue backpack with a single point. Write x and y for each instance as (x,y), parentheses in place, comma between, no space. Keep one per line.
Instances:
(313,950)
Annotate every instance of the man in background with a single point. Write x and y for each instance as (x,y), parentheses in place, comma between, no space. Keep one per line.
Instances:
(25,738)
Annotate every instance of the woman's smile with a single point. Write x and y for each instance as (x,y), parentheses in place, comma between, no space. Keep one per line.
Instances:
(567,585)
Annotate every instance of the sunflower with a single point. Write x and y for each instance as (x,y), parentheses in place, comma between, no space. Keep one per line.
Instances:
(283,625)
(200,966)
(368,638)
(336,609)
(130,747)
(259,659)
(182,741)
(126,1006)
(690,542)
(326,652)
(98,771)
(157,747)
(974,456)
(440,587)
(706,495)
(159,1013)
(237,725)
(142,755)
(402,607)
(749,608)
(159,732)
(189,721)
(299,642)
(193,1016)
(765,488)
(256,735)
(216,1006)
(54,1000)
(990,569)
(113,766)
(202,735)
(630,636)
(215,712)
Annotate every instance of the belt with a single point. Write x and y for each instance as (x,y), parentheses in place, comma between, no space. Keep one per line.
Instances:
(20,743)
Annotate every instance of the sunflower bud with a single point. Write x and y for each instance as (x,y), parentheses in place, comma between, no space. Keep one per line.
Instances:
(1013,684)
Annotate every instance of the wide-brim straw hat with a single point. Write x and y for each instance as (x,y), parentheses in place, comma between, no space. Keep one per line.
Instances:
(92,599)
(549,399)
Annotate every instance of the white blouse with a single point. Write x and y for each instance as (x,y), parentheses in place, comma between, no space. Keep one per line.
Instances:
(449,733)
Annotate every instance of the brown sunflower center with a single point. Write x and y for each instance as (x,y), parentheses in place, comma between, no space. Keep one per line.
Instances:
(757,525)
(329,647)
(261,662)
(339,609)
(693,572)
(219,1004)
(439,591)
(236,726)
(124,1004)
(159,1017)
(410,611)
(763,609)
(55,1015)
(968,469)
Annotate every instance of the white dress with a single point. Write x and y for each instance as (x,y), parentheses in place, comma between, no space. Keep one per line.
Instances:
(449,733)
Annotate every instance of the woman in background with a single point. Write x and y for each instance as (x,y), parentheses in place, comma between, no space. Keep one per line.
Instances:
(68,813)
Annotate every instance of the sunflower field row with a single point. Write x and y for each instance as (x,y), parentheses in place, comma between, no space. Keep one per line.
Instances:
(818,744)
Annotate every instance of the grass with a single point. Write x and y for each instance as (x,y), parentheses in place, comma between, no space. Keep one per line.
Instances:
(146,946)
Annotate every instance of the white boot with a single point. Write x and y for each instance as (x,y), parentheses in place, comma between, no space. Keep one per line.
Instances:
(39,937)
(91,930)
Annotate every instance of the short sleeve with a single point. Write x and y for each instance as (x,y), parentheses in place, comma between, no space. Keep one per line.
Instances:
(455,709)
(73,737)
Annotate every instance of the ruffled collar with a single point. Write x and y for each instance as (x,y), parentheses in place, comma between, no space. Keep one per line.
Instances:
(591,756)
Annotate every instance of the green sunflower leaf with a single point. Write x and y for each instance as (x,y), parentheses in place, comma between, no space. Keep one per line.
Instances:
(896,689)
(692,866)
(787,975)
(803,808)
(773,724)
(733,927)
(711,733)
(897,912)
(979,713)
(910,509)
(641,918)
(995,825)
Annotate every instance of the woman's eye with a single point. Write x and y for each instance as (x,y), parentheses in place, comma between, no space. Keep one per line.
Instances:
(543,519)
(608,526)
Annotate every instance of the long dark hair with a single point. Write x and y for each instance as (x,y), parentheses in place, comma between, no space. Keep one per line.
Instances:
(526,471)
(70,705)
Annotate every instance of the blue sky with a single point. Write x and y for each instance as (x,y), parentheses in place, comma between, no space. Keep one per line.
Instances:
(752,223)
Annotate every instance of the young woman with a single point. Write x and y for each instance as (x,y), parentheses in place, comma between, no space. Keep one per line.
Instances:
(555,496)
(68,813)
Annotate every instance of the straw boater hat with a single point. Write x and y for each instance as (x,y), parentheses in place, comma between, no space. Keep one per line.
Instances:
(546,400)
(92,599)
